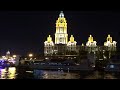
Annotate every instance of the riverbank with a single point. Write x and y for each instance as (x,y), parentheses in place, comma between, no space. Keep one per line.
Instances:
(58,67)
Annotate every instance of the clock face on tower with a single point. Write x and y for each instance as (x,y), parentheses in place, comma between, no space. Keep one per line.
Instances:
(61,21)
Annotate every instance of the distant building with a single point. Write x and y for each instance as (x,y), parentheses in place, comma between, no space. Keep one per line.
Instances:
(61,46)
(64,47)
(71,45)
(48,46)
(91,44)
(61,36)
(109,44)
(8,54)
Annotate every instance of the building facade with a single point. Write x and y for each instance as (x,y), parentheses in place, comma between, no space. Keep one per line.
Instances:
(63,45)
(110,44)
(91,45)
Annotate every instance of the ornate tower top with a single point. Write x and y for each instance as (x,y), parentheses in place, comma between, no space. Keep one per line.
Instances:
(72,41)
(90,39)
(110,42)
(61,36)
(91,42)
(109,38)
(82,44)
(49,39)
(61,15)
(61,19)
(8,52)
(71,38)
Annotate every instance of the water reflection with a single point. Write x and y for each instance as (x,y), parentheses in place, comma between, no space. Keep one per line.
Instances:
(43,74)
(8,73)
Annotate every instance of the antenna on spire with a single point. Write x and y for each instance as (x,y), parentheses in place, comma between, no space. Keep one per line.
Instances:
(61,14)
(61,11)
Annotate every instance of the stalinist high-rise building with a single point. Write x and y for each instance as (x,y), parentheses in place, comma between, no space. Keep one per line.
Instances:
(61,36)
(64,45)
(61,45)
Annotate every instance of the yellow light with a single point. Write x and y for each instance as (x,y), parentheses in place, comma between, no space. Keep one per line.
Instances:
(14,56)
(90,39)
(82,44)
(109,38)
(72,38)
(49,39)
(61,30)
(30,55)
(11,71)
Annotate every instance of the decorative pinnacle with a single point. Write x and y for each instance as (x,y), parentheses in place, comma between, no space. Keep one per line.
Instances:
(61,14)
(8,52)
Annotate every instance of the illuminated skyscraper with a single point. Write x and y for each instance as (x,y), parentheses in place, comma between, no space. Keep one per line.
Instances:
(61,36)
(61,46)
(61,39)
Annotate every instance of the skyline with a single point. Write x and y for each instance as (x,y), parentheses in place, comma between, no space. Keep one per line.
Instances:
(26,31)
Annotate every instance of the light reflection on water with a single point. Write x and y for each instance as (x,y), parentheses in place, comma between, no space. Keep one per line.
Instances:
(8,73)
(43,74)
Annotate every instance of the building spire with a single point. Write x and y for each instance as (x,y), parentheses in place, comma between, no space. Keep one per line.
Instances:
(61,14)
(8,52)
(49,39)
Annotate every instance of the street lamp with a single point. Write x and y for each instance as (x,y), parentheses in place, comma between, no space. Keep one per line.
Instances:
(14,56)
(30,55)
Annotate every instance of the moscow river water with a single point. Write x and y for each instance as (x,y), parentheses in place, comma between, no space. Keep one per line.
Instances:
(8,73)
(11,73)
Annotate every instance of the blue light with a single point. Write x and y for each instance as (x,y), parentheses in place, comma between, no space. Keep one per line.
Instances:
(1,60)
(111,66)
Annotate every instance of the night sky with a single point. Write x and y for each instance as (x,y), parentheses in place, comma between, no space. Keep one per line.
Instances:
(22,32)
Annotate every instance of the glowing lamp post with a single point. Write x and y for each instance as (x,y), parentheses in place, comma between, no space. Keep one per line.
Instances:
(14,56)
(30,55)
